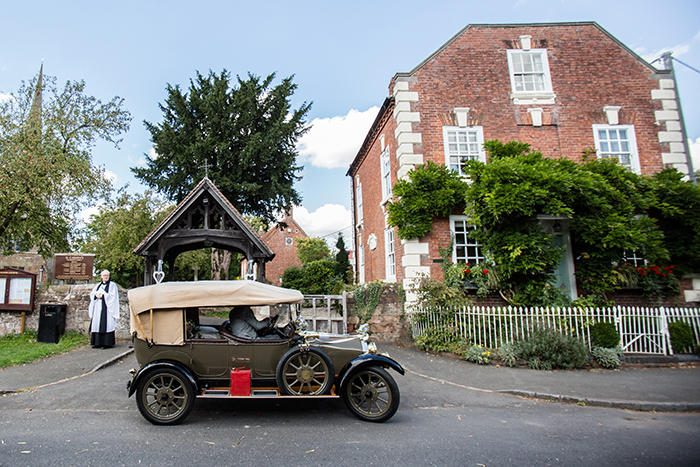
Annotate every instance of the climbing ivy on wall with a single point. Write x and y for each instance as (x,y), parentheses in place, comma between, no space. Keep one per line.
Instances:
(611,211)
(367,300)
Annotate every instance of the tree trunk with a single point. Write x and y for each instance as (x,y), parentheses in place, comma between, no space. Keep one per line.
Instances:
(220,262)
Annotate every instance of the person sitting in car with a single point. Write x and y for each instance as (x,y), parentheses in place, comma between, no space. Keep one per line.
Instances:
(244,323)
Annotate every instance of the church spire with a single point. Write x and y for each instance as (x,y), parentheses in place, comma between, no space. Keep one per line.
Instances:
(34,121)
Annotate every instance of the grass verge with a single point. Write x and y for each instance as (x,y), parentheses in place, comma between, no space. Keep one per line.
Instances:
(17,349)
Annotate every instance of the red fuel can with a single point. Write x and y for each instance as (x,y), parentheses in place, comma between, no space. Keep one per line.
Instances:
(240,382)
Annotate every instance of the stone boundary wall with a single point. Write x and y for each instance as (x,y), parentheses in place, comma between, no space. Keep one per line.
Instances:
(389,322)
(76,298)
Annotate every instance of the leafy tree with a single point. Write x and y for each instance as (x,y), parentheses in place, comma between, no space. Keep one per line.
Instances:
(676,213)
(187,262)
(257,224)
(315,277)
(312,249)
(244,138)
(342,268)
(47,174)
(246,135)
(120,225)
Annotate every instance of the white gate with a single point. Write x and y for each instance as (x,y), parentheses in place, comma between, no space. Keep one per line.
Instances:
(326,313)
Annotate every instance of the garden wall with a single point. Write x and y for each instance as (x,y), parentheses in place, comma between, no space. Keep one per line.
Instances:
(388,322)
(76,298)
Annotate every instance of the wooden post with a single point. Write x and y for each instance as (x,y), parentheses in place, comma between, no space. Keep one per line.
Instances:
(23,322)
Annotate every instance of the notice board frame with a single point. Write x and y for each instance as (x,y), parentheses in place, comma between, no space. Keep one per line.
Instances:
(8,293)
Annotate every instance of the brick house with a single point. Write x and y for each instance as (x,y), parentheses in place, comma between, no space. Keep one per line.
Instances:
(561,87)
(283,242)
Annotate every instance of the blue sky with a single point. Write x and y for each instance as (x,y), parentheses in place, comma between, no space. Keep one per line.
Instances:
(342,55)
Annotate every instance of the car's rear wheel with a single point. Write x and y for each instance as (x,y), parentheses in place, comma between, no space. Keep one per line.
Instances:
(165,396)
(371,394)
(305,372)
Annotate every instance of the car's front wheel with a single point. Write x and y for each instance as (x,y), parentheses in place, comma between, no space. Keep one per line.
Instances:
(371,394)
(305,372)
(165,396)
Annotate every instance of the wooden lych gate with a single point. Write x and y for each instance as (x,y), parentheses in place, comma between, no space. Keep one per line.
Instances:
(204,219)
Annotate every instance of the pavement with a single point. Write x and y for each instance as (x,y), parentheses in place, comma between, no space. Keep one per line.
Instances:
(658,384)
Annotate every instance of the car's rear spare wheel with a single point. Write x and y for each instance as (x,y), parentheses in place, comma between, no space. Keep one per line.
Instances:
(305,372)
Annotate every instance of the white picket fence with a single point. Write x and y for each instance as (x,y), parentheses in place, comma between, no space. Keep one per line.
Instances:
(642,330)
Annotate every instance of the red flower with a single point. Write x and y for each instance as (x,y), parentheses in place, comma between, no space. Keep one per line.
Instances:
(486,271)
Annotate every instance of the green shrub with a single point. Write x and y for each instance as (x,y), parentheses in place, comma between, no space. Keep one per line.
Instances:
(293,278)
(546,349)
(478,354)
(605,335)
(438,340)
(681,336)
(508,353)
(608,357)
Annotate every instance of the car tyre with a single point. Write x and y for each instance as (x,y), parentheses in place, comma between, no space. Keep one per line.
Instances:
(165,396)
(305,372)
(371,394)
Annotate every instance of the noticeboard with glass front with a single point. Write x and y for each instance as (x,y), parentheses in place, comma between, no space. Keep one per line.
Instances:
(17,289)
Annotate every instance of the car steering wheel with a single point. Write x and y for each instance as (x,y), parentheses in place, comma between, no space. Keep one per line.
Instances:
(270,328)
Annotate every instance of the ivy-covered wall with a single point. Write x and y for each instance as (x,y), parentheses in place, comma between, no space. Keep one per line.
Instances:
(387,322)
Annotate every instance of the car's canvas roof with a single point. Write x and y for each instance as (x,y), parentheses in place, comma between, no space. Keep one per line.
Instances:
(170,295)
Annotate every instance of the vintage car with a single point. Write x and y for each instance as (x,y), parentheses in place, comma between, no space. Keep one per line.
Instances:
(183,356)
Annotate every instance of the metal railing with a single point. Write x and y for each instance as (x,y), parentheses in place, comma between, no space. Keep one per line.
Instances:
(641,330)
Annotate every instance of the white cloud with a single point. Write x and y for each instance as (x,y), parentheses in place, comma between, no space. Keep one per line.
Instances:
(87,213)
(695,152)
(5,97)
(152,153)
(328,219)
(677,51)
(333,142)
(111,176)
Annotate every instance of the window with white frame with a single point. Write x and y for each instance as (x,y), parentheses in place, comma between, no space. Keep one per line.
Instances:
(386,173)
(529,70)
(466,249)
(635,258)
(390,255)
(358,200)
(463,144)
(529,76)
(618,142)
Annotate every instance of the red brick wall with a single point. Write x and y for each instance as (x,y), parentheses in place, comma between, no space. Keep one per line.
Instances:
(285,255)
(589,70)
(369,173)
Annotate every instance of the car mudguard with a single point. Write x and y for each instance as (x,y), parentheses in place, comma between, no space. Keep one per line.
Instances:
(131,385)
(368,359)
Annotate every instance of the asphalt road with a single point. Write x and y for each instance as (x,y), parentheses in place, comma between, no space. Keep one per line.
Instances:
(89,421)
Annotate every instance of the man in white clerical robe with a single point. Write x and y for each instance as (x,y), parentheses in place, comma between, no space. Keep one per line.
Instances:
(104,312)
